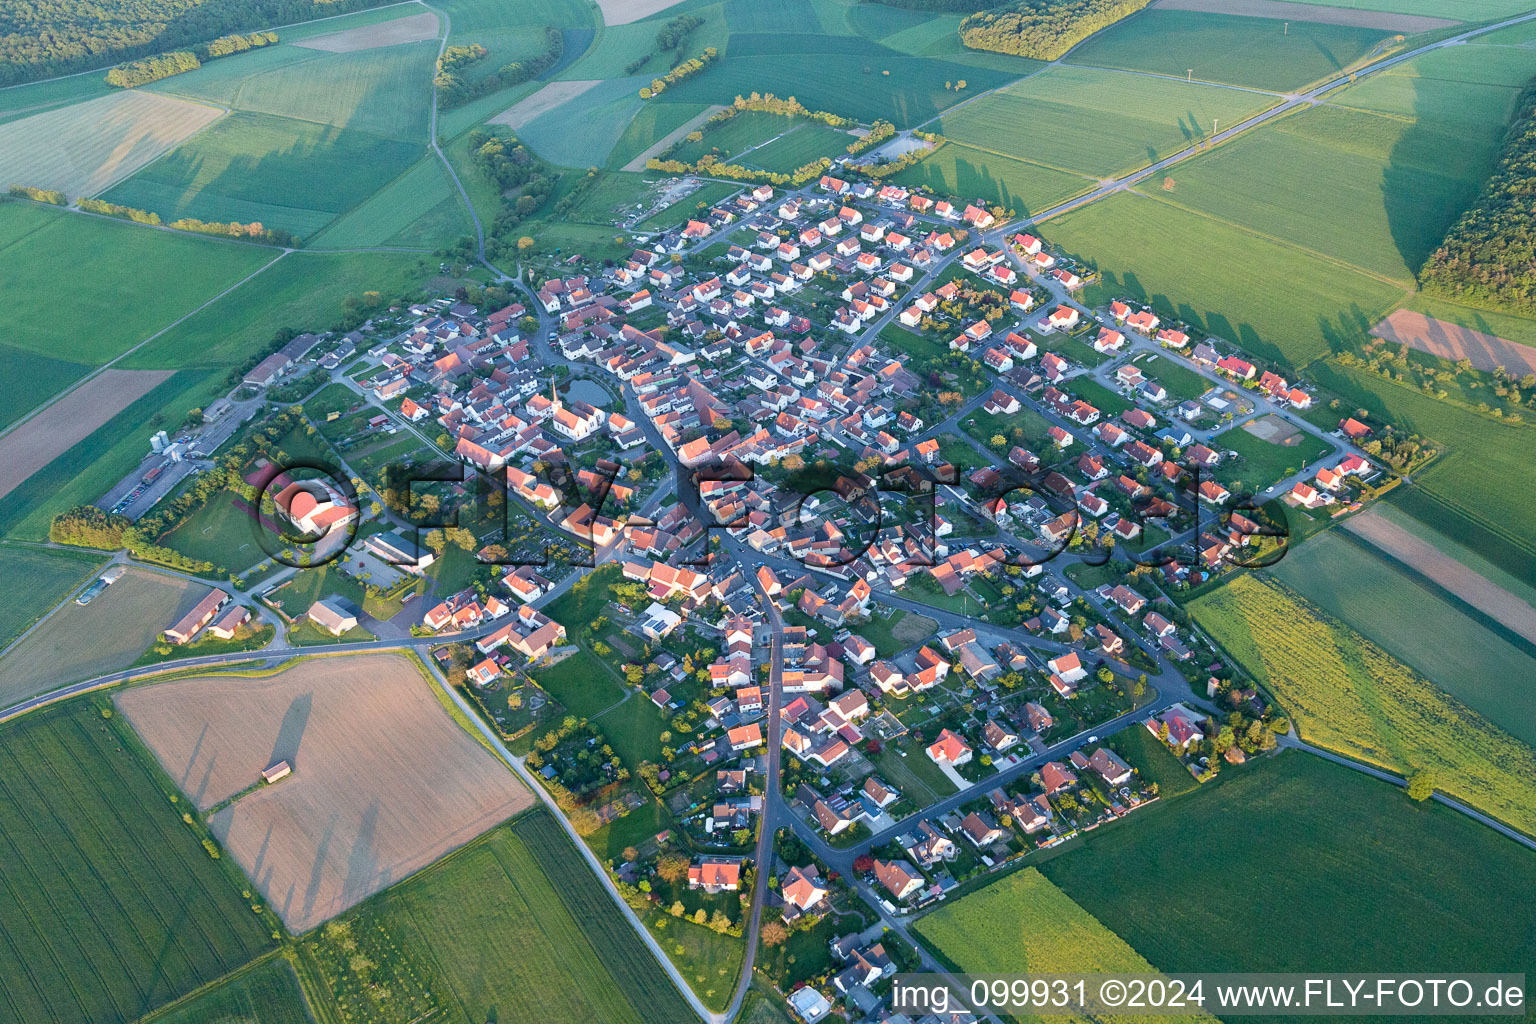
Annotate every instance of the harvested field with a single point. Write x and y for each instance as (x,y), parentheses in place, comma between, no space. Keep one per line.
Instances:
(1422,557)
(384,782)
(121,623)
(1406,23)
(1274,429)
(86,148)
(1453,342)
(660,145)
(70,420)
(412,29)
(622,12)
(541,102)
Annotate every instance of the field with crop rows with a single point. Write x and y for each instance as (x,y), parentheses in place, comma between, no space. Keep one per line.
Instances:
(109,905)
(969,173)
(45,577)
(266,994)
(1349,695)
(1298,864)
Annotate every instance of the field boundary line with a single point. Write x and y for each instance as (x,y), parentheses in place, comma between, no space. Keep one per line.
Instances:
(130,351)
(1208,83)
(1027,161)
(203,989)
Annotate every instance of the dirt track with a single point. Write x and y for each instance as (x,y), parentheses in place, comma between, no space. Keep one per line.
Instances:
(1406,23)
(1476,590)
(541,102)
(622,12)
(412,29)
(1450,341)
(69,421)
(384,782)
(661,144)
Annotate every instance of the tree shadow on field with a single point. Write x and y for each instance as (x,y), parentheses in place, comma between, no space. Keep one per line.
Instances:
(363,862)
(291,731)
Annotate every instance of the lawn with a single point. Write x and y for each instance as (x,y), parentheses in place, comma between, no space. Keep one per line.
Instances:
(1262,462)
(896,631)
(1413,623)
(110,907)
(222,532)
(1023,924)
(580,682)
(1363,878)
(1183,384)
(37,579)
(266,994)
(709,961)
(1110,403)
(1257,52)
(1097,123)
(1153,761)
(1349,695)
(968,172)
(96,268)
(511,928)
(1202,271)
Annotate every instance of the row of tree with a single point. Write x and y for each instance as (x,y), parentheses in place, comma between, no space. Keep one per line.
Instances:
(1042,29)
(686,69)
(40,195)
(164,65)
(1489,255)
(42,38)
(455,88)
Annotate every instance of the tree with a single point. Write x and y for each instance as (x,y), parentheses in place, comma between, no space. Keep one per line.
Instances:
(775,934)
(524,244)
(672,867)
(863,863)
(1421,784)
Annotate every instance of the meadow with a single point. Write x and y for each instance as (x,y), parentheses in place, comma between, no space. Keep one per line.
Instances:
(1260,462)
(26,378)
(96,268)
(419,209)
(111,906)
(122,621)
(267,993)
(1347,694)
(1209,273)
(1415,624)
(512,928)
(969,173)
(45,576)
(1363,878)
(1259,53)
(1094,122)
(1023,924)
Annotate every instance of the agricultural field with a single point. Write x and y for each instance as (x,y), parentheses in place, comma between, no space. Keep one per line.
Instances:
(384,781)
(967,172)
(512,928)
(1096,123)
(650,126)
(96,267)
(1259,53)
(84,148)
(1024,924)
(1347,694)
(512,32)
(604,111)
(122,622)
(1468,10)
(1359,870)
(266,994)
(25,376)
(45,576)
(1415,624)
(1183,265)
(110,906)
(419,209)
(1496,574)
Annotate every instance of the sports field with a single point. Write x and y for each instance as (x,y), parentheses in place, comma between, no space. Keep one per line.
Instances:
(514,928)
(384,781)
(799,146)
(96,268)
(109,905)
(1097,123)
(1349,695)
(84,148)
(222,532)
(1023,924)
(1261,53)
(122,622)
(1417,625)
(1356,872)
(1202,270)
(45,576)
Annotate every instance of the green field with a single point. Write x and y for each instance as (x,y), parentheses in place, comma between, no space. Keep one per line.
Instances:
(266,994)
(1262,462)
(1363,879)
(1023,924)
(96,268)
(799,146)
(1260,53)
(603,111)
(966,172)
(580,682)
(1204,272)
(513,31)
(1501,574)
(689,206)
(1183,384)
(1349,695)
(45,578)
(512,928)
(1153,761)
(220,533)
(27,378)
(1413,623)
(302,291)
(109,907)
(653,122)
(1467,10)
(420,209)
(1094,122)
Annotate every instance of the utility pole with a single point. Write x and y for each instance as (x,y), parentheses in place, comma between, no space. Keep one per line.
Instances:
(1189,76)
(1287,29)
(1214,123)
